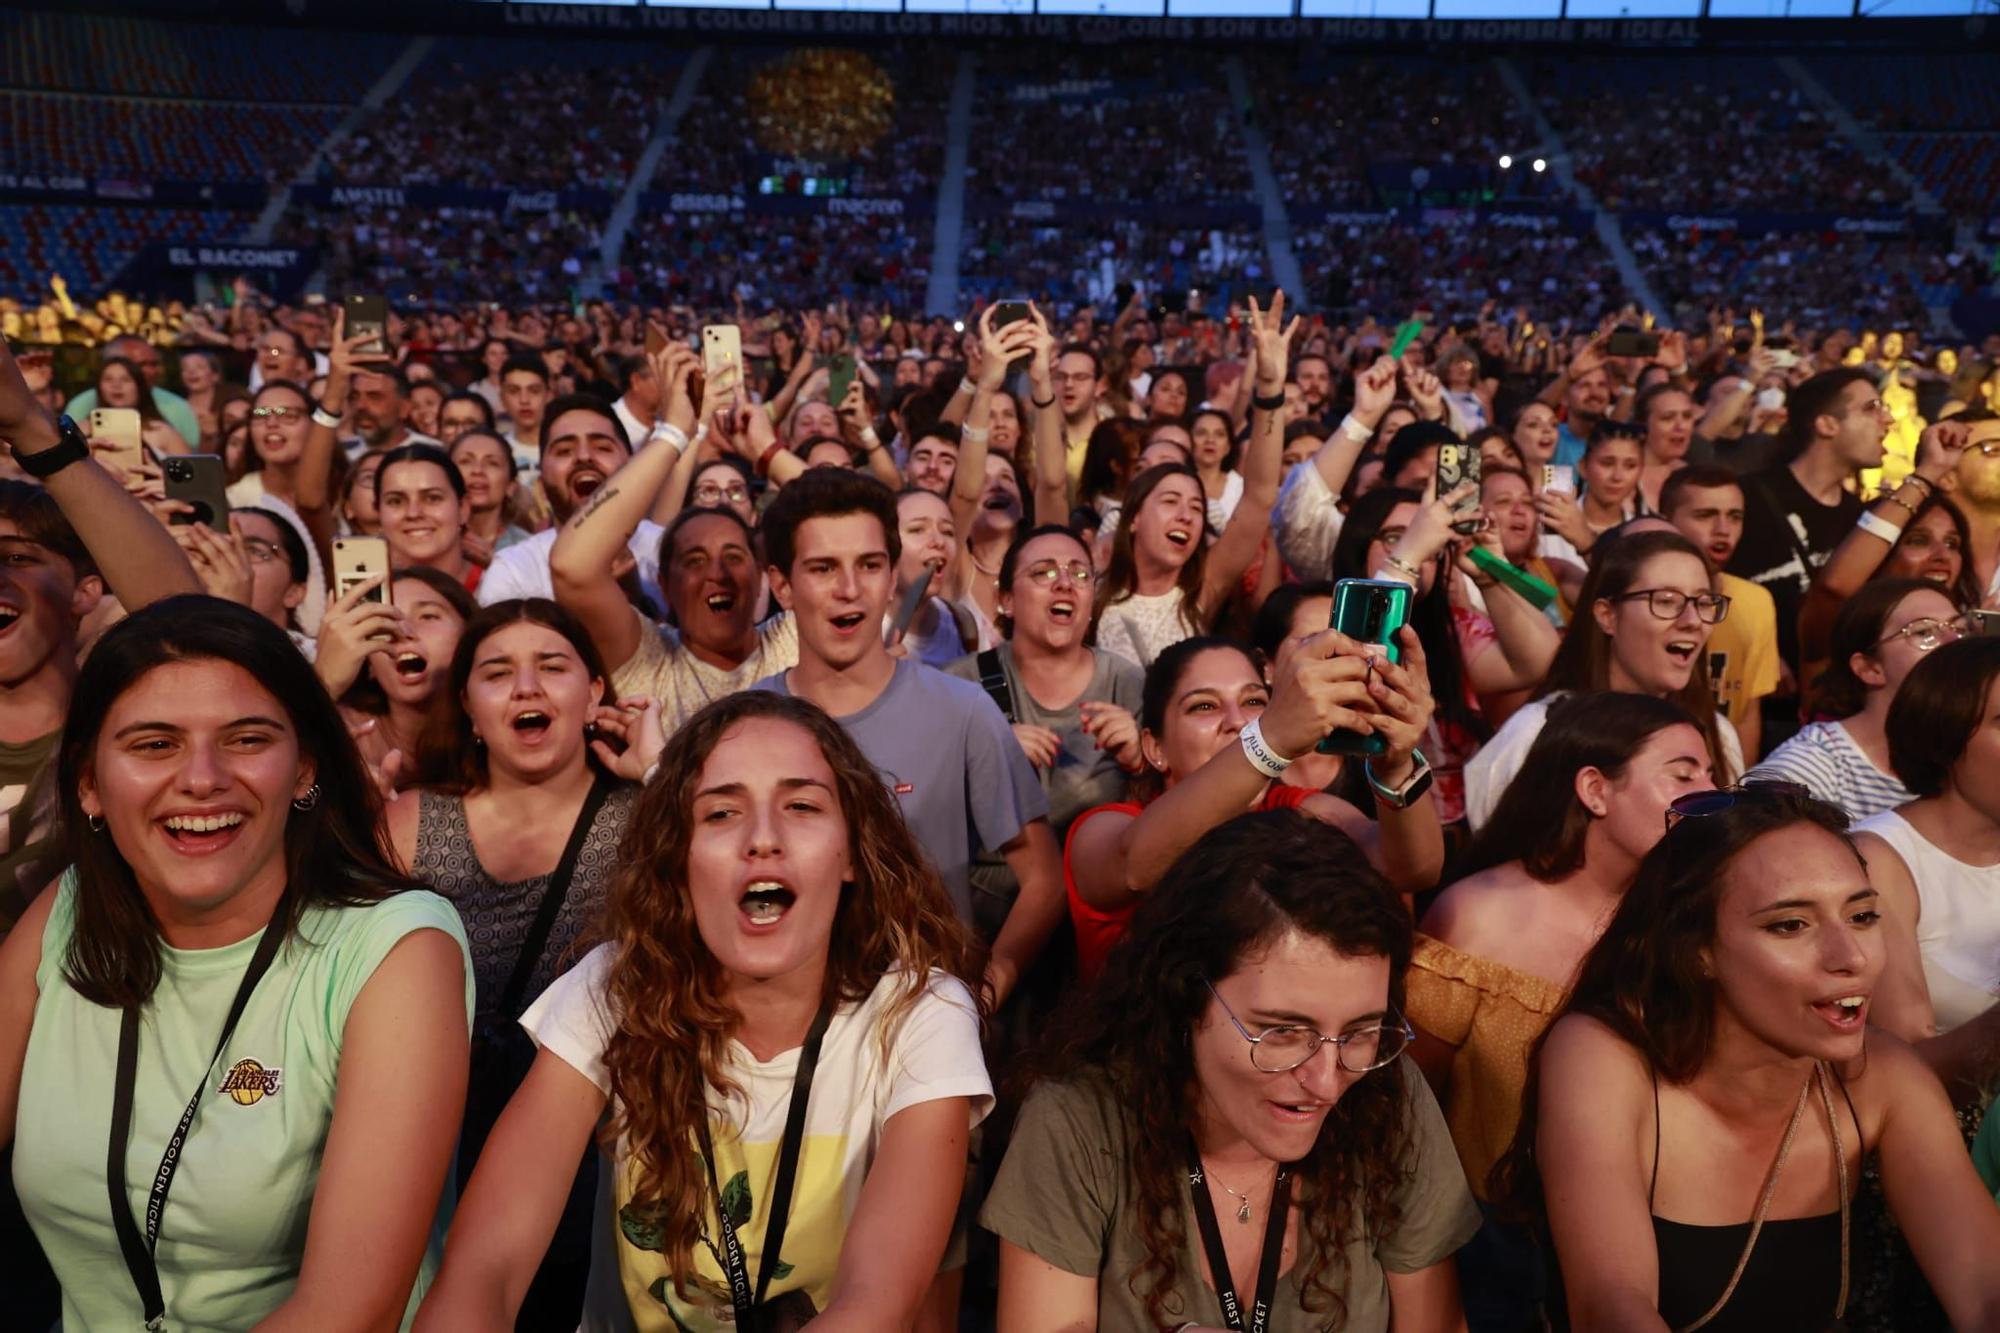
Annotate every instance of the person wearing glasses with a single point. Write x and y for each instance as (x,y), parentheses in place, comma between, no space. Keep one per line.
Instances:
(1224,1124)
(1698,1116)
(1643,621)
(1881,634)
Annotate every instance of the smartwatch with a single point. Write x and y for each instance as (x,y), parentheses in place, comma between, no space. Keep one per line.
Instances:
(70,447)
(1419,782)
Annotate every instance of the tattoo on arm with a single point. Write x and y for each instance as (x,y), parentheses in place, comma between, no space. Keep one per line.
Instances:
(597,501)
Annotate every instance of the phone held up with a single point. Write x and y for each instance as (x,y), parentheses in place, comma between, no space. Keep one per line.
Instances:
(122,428)
(199,481)
(1457,464)
(1369,611)
(368,316)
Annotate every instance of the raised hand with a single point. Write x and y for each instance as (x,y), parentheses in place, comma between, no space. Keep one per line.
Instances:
(1271,338)
(1115,731)
(1375,390)
(636,725)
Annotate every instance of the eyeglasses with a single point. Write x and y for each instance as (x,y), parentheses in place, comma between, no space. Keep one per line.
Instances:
(1872,405)
(278,413)
(1926,633)
(1668,603)
(1287,1046)
(1696,804)
(710,494)
(1048,572)
(260,551)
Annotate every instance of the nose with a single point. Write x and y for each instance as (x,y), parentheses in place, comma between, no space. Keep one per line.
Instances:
(846,583)
(1321,1077)
(1234,718)
(527,683)
(1842,953)
(202,771)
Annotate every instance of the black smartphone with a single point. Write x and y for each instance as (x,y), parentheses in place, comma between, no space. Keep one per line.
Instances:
(1369,611)
(199,480)
(840,374)
(1986,622)
(369,315)
(1459,463)
(1012,311)
(1632,342)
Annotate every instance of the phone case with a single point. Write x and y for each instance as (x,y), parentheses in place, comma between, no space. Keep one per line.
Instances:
(356,560)
(1371,611)
(201,481)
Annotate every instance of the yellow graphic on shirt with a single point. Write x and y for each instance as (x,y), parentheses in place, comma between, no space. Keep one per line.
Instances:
(801,1282)
(248,1082)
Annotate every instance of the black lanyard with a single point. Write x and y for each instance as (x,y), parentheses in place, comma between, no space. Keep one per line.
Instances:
(139,1252)
(748,1320)
(1218,1257)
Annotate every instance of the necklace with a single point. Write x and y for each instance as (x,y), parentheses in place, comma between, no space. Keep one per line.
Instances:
(992,573)
(1243,1200)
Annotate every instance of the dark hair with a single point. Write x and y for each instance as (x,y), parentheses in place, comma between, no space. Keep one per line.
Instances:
(1642,406)
(390,371)
(1938,711)
(583,402)
(35,513)
(1647,978)
(1430,613)
(1477,442)
(449,756)
(444,585)
(468,396)
(1246,883)
(1411,441)
(335,852)
(1273,624)
(804,448)
(1121,572)
(420,453)
(1583,660)
(689,515)
(1816,398)
(630,368)
(285,386)
(1108,457)
(1163,677)
(938,430)
(1008,562)
(825,493)
(1609,429)
(527,363)
(1695,476)
(1858,628)
(1598,729)
(149,409)
(296,559)
(1235,450)
(488,433)
(1084,349)
(1965,589)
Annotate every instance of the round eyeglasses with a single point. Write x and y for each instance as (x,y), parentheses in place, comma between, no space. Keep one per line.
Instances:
(1048,572)
(1927,632)
(1286,1046)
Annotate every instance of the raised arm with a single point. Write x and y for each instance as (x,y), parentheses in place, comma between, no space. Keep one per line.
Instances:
(802,368)
(1044,436)
(997,348)
(138,559)
(1374,390)
(853,412)
(1262,461)
(1524,640)
(582,561)
(315,489)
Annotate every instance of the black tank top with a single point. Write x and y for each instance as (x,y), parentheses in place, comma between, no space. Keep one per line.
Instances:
(1792,1281)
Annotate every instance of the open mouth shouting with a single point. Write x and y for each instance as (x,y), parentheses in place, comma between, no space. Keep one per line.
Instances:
(411,665)
(531,725)
(1063,611)
(1181,537)
(198,832)
(584,481)
(1845,1013)
(721,601)
(1682,652)
(848,622)
(9,617)
(764,903)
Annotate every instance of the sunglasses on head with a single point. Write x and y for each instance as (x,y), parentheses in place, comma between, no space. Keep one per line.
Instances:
(1696,804)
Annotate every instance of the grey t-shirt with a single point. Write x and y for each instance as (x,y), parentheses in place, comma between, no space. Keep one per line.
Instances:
(1065,1194)
(952,763)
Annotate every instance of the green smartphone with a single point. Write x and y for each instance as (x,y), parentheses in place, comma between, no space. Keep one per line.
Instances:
(1370,611)
(840,374)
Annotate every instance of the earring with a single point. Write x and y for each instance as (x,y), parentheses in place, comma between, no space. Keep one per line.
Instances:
(309,800)
(96,823)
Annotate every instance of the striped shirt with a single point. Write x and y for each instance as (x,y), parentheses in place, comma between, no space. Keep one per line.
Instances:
(1832,767)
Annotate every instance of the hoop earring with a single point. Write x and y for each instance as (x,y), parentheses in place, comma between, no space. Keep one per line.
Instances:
(96,823)
(309,800)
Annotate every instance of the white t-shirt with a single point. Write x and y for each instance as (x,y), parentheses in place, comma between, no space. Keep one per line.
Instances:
(1488,772)
(662,667)
(1140,628)
(934,1054)
(522,570)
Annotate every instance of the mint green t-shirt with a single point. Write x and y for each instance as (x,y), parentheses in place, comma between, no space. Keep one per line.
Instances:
(234,1230)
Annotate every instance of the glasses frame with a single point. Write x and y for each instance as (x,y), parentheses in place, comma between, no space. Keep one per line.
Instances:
(1320,1039)
(1957,625)
(1058,572)
(1715,599)
(1699,804)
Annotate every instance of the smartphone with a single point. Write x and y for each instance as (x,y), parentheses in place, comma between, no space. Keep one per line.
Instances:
(656,341)
(369,315)
(1632,342)
(199,480)
(1986,622)
(1559,477)
(906,609)
(1459,463)
(1011,311)
(840,374)
(120,426)
(358,559)
(721,345)
(1370,611)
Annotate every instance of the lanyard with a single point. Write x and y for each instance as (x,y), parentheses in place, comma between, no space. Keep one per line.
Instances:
(748,1320)
(138,1252)
(1218,1258)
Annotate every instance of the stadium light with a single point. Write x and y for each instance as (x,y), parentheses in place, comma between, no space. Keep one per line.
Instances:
(1506,161)
(1541,164)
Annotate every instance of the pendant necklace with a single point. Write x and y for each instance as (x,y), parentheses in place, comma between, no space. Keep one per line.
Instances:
(1243,1206)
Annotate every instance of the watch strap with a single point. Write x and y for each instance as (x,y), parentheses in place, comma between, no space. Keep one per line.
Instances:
(70,447)
(1404,797)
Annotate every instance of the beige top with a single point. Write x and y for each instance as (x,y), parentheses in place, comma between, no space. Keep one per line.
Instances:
(1493,1015)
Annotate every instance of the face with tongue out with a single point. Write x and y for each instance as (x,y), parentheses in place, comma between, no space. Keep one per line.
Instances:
(193,773)
(769,851)
(528,697)
(1798,947)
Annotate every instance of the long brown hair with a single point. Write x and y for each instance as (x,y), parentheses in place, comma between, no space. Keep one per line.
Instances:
(666,990)
(1241,886)
(1121,573)
(1583,661)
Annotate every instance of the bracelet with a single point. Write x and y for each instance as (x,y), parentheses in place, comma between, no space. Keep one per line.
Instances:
(1354,430)
(652,771)
(870,441)
(1261,756)
(1900,503)
(1049,401)
(1876,526)
(966,386)
(973,434)
(1404,567)
(322,417)
(775,448)
(1930,487)
(672,434)
(1271,404)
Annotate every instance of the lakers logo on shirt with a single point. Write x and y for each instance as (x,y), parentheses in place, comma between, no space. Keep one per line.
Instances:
(248,1083)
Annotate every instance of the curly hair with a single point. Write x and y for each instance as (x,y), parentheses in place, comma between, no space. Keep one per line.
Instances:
(1235,891)
(666,989)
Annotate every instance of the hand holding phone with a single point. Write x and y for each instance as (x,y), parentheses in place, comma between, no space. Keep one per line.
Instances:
(368,317)
(1456,465)
(1368,612)
(199,481)
(117,437)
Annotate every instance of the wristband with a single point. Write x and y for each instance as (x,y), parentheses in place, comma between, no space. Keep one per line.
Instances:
(1919,479)
(764,460)
(70,447)
(322,417)
(973,434)
(1404,567)
(1875,525)
(1354,430)
(966,386)
(1263,404)
(673,434)
(1049,401)
(870,441)
(1261,756)
(653,771)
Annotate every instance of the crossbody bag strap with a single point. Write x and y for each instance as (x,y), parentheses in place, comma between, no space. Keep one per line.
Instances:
(993,679)
(552,900)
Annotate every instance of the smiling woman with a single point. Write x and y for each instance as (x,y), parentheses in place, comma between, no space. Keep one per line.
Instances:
(231,928)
